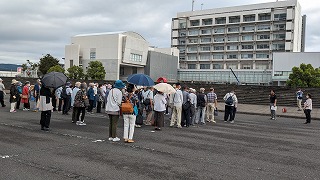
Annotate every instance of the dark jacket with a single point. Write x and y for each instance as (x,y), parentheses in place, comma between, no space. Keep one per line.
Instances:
(13,94)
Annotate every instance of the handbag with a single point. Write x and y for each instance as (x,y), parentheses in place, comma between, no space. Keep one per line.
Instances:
(24,96)
(135,110)
(127,107)
(186,105)
(215,112)
(146,102)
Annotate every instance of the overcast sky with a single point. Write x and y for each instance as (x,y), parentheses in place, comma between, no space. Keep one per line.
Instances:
(30,29)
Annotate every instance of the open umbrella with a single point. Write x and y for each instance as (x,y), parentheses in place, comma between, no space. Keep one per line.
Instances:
(165,88)
(140,79)
(162,79)
(54,79)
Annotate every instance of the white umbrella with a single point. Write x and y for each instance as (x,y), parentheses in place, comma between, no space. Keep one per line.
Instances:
(165,88)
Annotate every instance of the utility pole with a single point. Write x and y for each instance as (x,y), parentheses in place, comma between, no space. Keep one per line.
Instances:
(192,4)
(201,5)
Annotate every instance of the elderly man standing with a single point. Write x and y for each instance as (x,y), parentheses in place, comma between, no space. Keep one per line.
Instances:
(73,95)
(176,100)
(201,106)
(66,95)
(211,105)
(230,100)
(2,88)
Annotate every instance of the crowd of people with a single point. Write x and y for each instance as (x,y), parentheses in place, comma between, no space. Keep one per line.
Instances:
(137,106)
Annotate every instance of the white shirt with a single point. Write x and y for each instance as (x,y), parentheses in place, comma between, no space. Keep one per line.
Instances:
(308,104)
(177,98)
(114,100)
(2,87)
(160,102)
(193,99)
(234,97)
(73,95)
(148,94)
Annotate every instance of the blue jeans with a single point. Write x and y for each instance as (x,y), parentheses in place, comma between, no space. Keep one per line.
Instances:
(200,113)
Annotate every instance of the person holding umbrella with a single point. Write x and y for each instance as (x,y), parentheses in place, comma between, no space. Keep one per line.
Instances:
(114,100)
(45,106)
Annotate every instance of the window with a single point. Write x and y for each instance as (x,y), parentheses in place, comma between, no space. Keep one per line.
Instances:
(246,66)
(193,40)
(207,22)
(234,19)
(233,38)
(182,34)
(204,66)
(219,39)
(247,38)
(279,36)
(219,48)
(233,29)
(232,66)
(216,66)
(221,20)
(263,36)
(193,49)
(263,46)
(246,56)
(93,53)
(206,31)
(205,48)
(136,57)
(134,70)
(219,30)
(261,66)
(248,18)
(248,28)
(262,56)
(182,24)
(232,47)
(121,71)
(218,56)
(206,40)
(232,56)
(71,62)
(182,49)
(264,17)
(282,16)
(194,22)
(279,27)
(264,27)
(279,46)
(193,32)
(192,57)
(205,56)
(192,66)
(182,42)
(247,46)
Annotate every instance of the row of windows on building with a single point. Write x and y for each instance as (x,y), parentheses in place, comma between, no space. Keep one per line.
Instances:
(222,39)
(232,19)
(207,57)
(135,57)
(233,29)
(228,66)
(233,47)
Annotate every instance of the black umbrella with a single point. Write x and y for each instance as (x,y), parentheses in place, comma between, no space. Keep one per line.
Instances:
(54,79)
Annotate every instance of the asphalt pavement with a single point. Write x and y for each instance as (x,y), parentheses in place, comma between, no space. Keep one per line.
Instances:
(254,147)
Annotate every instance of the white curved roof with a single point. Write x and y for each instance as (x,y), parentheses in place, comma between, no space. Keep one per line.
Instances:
(128,33)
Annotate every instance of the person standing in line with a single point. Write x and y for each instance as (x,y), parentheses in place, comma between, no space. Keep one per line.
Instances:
(13,96)
(45,106)
(299,95)
(129,119)
(19,89)
(186,105)
(230,100)
(148,96)
(104,90)
(36,93)
(100,97)
(67,98)
(79,104)
(109,87)
(74,109)
(193,101)
(235,108)
(273,104)
(159,110)
(91,97)
(95,90)
(176,99)
(25,96)
(113,109)
(2,93)
(59,99)
(201,106)
(308,108)
(211,105)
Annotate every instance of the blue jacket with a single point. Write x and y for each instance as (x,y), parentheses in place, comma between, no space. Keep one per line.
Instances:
(91,94)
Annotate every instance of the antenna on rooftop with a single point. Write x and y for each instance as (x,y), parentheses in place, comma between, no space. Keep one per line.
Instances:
(192,4)
(201,5)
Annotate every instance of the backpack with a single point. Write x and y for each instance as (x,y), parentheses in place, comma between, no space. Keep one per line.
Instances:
(229,100)
(127,107)
(64,92)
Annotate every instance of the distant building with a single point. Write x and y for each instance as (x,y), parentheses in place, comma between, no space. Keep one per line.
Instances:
(241,38)
(122,54)
(284,62)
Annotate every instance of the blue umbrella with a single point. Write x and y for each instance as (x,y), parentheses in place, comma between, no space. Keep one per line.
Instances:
(140,80)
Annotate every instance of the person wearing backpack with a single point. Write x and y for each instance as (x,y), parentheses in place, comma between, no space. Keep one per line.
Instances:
(201,106)
(230,100)
(299,95)
(66,95)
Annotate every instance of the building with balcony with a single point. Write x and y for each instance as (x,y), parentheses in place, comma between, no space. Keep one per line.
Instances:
(122,54)
(241,38)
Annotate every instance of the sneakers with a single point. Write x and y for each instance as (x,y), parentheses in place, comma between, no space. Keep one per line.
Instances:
(231,122)
(225,121)
(214,121)
(80,123)
(130,141)
(138,126)
(110,139)
(13,111)
(116,139)
(25,109)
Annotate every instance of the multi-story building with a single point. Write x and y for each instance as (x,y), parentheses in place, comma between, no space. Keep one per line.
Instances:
(122,54)
(241,38)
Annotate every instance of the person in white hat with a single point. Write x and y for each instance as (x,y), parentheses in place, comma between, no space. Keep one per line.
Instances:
(13,95)
(2,88)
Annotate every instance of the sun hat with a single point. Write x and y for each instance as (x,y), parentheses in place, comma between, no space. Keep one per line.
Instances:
(1,79)
(13,81)
(119,84)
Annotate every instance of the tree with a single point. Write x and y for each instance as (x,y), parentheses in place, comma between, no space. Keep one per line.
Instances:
(46,62)
(96,70)
(75,72)
(56,68)
(304,76)
(29,66)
